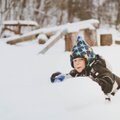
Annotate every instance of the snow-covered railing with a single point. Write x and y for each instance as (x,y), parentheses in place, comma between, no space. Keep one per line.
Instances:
(21,22)
(16,25)
(68,28)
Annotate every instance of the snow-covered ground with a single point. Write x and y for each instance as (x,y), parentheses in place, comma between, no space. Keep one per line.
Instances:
(26,92)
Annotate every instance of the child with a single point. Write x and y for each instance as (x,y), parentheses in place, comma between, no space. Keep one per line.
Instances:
(86,63)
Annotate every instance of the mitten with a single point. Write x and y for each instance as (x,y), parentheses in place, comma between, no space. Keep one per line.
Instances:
(57,77)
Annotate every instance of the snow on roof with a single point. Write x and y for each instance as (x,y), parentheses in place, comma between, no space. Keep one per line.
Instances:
(22,22)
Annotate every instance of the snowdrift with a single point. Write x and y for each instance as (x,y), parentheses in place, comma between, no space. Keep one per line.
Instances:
(26,92)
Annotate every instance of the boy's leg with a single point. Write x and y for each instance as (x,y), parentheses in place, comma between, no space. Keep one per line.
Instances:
(114,89)
(107,97)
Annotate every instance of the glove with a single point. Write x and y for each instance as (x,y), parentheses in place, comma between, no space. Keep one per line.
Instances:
(57,77)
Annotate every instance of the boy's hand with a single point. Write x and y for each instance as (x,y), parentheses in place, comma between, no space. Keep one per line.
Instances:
(57,77)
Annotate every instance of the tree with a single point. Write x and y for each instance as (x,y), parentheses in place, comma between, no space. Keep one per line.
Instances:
(118,14)
(5,7)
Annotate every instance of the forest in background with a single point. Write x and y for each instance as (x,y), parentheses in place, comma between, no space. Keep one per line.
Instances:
(56,12)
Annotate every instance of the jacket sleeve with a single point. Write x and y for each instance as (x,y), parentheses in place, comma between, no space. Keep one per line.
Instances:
(71,74)
(102,75)
(59,77)
(74,73)
(105,83)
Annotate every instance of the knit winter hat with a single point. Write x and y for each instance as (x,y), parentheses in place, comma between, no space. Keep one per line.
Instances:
(82,50)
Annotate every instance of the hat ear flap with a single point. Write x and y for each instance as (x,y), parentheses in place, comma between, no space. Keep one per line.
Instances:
(71,60)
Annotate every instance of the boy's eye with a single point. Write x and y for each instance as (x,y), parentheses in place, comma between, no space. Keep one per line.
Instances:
(81,58)
(75,60)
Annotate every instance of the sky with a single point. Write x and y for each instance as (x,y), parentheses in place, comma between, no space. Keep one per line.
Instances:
(26,92)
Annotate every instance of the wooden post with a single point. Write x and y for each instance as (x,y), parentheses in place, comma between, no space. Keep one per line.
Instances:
(19,40)
(106,39)
(70,40)
(117,42)
(90,37)
(18,31)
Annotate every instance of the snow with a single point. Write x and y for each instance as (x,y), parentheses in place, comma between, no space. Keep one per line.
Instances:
(91,24)
(67,28)
(22,22)
(107,30)
(42,37)
(115,34)
(26,92)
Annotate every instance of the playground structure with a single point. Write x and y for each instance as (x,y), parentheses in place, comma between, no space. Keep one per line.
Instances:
(53,34)
(15,26)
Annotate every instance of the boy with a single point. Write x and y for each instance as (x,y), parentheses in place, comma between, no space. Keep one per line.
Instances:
(86,63)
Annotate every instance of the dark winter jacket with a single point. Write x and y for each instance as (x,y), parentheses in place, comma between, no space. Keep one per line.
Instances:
(99,73)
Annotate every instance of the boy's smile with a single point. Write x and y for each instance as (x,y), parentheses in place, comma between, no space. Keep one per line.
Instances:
(79,64)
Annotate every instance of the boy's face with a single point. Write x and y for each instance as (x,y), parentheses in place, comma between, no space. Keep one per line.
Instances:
(79,64)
